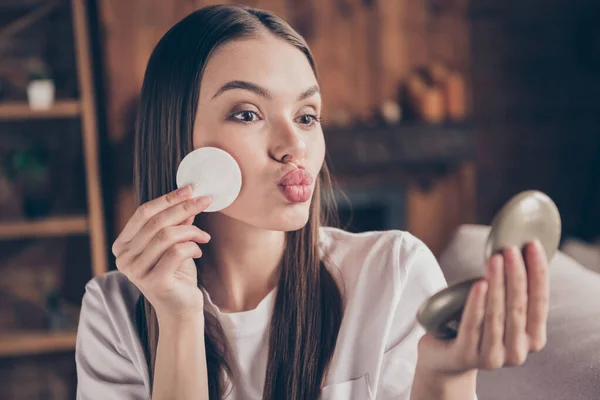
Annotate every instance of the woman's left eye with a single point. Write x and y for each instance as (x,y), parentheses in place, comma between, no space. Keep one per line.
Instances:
(245,116)
(308,119)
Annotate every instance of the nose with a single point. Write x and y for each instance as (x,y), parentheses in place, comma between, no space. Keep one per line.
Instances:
(288,144)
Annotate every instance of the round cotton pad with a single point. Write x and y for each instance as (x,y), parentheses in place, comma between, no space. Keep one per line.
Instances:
(527,216)
(212,172)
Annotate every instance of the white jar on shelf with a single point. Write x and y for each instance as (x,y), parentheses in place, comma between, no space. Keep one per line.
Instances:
(40,94)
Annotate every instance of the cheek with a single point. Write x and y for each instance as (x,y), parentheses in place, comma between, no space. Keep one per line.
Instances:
(318,150)
(243,146)
(250,158)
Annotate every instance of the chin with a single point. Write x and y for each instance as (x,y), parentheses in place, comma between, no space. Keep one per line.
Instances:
(281,216)
(291,219)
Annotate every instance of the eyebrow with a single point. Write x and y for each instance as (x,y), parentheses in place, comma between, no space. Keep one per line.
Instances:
(252,87)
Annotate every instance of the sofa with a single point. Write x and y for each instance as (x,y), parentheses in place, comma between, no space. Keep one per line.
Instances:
(568,368)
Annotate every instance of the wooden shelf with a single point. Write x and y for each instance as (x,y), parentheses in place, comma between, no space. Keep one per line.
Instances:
(30,343)
(57,226)
(409,146)
(6,5)
(21,111)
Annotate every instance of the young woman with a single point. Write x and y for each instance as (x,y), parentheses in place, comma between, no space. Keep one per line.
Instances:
(275,305)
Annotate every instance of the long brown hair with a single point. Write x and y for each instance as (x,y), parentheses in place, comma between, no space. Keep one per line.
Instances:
(308,306)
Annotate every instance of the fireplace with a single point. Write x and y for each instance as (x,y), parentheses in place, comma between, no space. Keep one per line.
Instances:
(414,177)
(370,208)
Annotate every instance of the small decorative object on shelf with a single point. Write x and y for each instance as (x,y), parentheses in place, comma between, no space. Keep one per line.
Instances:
(40,89)
(391,112)
(29,171)
(453,88)
(426,100)
(436,93)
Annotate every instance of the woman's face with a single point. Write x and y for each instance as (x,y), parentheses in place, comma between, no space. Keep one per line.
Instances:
(259,101)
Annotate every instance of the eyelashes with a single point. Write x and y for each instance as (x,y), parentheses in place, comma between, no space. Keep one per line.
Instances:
(245,116)
(250,116)
(313,119)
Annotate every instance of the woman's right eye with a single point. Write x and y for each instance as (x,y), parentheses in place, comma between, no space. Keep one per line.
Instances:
(245,116)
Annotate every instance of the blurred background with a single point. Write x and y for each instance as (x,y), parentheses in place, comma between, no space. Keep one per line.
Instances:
(436,113)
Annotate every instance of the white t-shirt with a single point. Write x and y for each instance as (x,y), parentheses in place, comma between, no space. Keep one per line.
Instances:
(386,276)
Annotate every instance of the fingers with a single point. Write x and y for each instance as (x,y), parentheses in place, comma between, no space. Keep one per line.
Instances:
(471,323)
(538,295)
(169,217)
(189,221)
(515,340)
(492,344)
(165,239)
(500,326)
(171,260)
(148,210)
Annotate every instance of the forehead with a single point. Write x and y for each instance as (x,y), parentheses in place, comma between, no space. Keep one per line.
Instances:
(265,60)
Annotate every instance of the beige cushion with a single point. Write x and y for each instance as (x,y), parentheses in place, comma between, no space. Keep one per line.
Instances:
(569,366)
(587,254)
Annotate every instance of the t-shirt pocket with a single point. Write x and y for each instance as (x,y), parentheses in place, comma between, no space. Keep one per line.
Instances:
(356,389)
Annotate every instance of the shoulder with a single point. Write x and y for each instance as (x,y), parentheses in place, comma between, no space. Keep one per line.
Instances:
(339,241)
(115,290)
(379,258)
(109,304)
(108,353)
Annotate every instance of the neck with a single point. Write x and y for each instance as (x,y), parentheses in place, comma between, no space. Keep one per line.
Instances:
(240,265)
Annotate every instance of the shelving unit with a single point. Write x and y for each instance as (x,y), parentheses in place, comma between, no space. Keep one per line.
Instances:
(30,343)
(21,111)
(92,223)
(55,226)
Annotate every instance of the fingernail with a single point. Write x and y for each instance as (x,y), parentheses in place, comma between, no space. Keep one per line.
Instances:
(496,258)
(495,263)
(183,191)
(203,200)
(483,286)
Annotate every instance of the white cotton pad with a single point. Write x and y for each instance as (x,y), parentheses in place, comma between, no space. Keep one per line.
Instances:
(212,172)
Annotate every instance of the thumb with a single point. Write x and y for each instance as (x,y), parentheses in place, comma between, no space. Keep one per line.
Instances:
(430,344)
(434,354)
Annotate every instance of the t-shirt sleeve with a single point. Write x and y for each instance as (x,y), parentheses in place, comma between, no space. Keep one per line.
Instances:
(420,277)
(104,369)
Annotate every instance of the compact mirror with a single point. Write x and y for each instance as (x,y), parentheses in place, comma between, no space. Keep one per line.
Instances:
(527,216)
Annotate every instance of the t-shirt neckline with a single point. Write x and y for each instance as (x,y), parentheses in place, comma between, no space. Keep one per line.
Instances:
(244,322)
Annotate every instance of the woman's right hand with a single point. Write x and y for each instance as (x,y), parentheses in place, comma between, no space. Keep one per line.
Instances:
(156,249)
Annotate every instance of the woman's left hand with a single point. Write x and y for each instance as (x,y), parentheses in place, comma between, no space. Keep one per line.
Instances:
(503,321)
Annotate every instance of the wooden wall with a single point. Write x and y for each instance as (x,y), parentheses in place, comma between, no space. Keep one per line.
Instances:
(535,76)
(363,48)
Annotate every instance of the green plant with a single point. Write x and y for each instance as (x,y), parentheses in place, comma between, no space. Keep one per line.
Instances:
(38,70)
(27,168)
